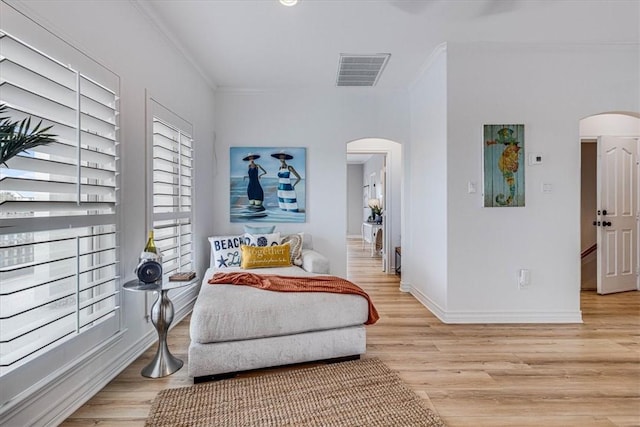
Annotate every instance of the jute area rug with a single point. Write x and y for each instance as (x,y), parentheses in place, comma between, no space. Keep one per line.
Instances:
(358,393)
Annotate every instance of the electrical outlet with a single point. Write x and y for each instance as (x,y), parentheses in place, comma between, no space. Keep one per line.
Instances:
(524,279)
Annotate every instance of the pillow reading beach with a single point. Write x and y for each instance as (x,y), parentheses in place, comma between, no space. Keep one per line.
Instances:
(226,250)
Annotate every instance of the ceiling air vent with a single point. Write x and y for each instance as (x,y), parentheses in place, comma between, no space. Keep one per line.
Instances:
(361,70)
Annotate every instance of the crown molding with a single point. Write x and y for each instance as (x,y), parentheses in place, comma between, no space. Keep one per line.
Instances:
(150,14)
(441,49)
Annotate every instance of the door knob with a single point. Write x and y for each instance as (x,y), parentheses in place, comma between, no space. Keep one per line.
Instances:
(606,223)
(604,212)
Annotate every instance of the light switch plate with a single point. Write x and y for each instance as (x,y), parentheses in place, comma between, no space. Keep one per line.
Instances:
(535,158)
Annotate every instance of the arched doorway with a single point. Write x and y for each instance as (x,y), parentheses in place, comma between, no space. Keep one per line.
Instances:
(384,184)
(610,202)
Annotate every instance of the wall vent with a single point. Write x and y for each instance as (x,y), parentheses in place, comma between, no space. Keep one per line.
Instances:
(361,70)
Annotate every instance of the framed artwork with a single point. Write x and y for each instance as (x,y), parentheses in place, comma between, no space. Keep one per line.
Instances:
(503,165)
(267,184)
(372,186)
(365,196)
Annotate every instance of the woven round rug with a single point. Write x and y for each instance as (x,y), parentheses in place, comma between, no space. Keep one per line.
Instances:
(357,393)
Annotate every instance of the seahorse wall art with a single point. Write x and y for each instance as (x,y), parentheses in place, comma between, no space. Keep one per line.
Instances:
(503,165)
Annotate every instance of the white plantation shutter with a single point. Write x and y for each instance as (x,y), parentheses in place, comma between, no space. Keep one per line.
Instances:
(172,166)
(58,241)
(54,284)
(77,174)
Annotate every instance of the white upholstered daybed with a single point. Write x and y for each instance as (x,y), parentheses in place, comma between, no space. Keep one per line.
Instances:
(237,328)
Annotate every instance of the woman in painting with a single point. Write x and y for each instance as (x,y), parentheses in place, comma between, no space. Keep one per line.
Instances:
(254,189)
(286,191)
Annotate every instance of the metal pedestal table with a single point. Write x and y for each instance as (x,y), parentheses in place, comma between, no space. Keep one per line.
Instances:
(164,363)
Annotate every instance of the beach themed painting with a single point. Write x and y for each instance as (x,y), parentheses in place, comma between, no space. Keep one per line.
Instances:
(268,184)
(503,147)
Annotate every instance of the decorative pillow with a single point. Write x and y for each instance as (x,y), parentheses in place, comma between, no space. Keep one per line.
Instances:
(225,250)
(261,239)
(265,229)
(295,240)
(268,256)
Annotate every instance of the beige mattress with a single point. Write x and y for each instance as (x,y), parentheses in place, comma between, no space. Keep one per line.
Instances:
(229,312)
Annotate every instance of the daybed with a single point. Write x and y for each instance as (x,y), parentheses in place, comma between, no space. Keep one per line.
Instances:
(237,328)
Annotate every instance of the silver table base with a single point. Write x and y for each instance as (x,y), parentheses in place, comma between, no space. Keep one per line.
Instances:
(164,363)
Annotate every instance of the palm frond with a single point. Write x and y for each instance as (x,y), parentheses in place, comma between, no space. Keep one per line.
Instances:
(19,136)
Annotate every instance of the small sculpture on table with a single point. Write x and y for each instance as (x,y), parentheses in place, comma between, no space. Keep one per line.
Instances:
(376,211)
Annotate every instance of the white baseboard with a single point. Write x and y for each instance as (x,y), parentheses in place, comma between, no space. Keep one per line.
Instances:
(460,317)
(514,317)
(431,305)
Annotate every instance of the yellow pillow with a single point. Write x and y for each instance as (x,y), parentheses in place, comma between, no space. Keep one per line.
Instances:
(265,256)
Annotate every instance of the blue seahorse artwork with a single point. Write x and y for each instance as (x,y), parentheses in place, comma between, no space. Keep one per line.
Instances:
(504,165)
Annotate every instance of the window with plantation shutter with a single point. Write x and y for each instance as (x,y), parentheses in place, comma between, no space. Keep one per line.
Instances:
(172,166)
(58,235)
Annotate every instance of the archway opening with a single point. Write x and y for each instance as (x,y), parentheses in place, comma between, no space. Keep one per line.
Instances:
(374,175)
(597,208)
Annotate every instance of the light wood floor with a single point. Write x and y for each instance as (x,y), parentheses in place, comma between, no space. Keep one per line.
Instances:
(472,375)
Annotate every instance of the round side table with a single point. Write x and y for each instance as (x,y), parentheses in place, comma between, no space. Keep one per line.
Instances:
(164,363)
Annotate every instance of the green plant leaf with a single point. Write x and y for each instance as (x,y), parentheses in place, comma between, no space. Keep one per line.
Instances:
(19,136)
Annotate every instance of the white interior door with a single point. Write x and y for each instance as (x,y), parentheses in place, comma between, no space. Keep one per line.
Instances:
(617,214)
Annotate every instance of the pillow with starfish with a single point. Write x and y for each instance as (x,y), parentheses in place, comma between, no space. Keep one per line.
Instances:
(226,250)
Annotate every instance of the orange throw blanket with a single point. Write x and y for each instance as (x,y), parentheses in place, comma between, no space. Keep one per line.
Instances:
(273,282)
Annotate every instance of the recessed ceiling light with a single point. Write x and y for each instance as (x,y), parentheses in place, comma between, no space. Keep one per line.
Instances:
(289,2)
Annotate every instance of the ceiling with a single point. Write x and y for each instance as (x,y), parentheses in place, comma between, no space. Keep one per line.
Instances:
(262,45)
(358,158)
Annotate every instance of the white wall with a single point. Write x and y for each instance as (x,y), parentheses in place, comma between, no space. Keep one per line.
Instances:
(122,39)
(322,121)
(425,241)
(354,199)
(487,83)
(612,124)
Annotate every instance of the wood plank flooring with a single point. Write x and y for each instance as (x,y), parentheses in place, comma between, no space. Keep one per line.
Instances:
(472,375)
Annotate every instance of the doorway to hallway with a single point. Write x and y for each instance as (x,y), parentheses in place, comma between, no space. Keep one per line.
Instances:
(610,205)
(374,197)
